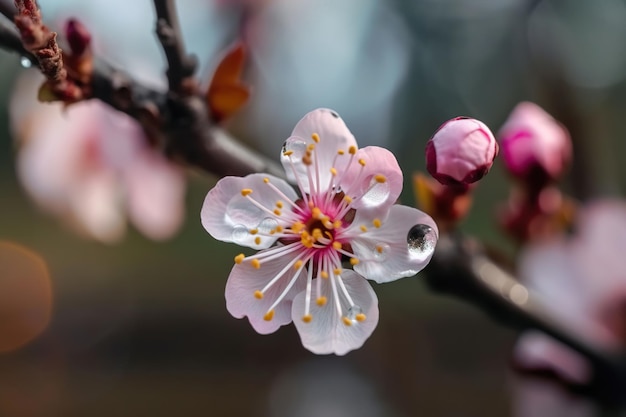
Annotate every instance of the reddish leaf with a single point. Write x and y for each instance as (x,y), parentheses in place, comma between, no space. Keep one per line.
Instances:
(227,92)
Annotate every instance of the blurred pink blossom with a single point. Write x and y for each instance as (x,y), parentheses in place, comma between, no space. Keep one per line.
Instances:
(461,151)
(534,143)
(93,166)
(583,283)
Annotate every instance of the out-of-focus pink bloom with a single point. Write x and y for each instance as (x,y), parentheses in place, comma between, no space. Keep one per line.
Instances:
(92,166)
(345,210)
(582,282)
(461,151)
(533,143)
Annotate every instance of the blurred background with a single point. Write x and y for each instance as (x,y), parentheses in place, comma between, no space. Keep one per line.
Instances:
(140,328)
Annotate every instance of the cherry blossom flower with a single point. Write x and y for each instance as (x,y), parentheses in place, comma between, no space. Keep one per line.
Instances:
(461,151)
(93,167)
(534,143)
(583,283)
(344,210)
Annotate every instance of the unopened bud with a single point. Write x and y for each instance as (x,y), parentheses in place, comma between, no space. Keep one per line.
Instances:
(77,36)
(461,151)
(534,145)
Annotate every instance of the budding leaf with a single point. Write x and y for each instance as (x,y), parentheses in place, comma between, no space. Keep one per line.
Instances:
(227,93)
(45,94)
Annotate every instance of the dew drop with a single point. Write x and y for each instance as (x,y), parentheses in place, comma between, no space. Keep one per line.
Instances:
(25,62)
(354,311)
(421,240)
(377,194)
(240,233)
(297,146)
(267,225)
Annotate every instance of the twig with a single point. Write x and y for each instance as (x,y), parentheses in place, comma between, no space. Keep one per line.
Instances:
(181,66)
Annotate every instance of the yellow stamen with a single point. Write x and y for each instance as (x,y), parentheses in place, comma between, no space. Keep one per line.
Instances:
(352,150)
(347,199)
(362,162)
(363,228)
(317,234)
(239,258)
(297,227)
(321,301)
(279,228)
(266,180)
(258,295)
(377,223)
(341,152)
(315,137)
(354,261)
(254,231)
(333,171)
(337,271)
(307,318)
(288,153)
(380,178)
(306,159)
(257,240)
(360,317)
(269,315)
(298,264)
(277,212)
(379,249)
(316,213)
(346,321)
(324,274)
(337,224)
(255,263)
(336,245)
(246,191)
(279,204)
(310,148)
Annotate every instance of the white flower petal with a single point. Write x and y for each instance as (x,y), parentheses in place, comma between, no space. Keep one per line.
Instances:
(362,183)
(228,216)
(333,135)
(245,279)
(326,332)
(396,248)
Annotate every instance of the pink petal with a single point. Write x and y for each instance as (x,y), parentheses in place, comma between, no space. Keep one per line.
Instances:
(326,332)
(156,196)
(361,182)
(244,280)
(333,136)
(228,216)
(401,247)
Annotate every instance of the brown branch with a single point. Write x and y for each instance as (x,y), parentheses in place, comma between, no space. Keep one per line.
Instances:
(181,66)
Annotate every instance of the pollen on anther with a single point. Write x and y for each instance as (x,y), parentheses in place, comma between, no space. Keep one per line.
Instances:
(362,162)
(298,264)
(258,295)
(279,228)
(341,152)
(324,274)
(257,240)
(336,245)
(352,150)
(277,212)
(337,224)
(346,321)
(360,317)
(246,191)
(315,137)
(354,261)
(288,153)
(333,171)
(379,249)
(255,263)
(380,178)
(307,318)
(266,180)
(347,199)
(337,271)
(254,231)
(310,148)
(377,223)
(279,204)
(363,228)
(269,315)
(321,301)
(239,258)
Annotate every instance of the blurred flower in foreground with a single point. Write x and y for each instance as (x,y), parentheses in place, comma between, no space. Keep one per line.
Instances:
(583,282)
(93,166)
(461,151)
(534,145)
(345,209)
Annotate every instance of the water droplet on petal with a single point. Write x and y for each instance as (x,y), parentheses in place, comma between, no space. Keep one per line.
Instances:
(240,233)
(354,311)
(377,194)
(25,62)
(421,240)
(267,225)
(297,146)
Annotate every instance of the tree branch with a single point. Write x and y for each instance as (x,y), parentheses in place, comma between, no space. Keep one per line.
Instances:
(181,66)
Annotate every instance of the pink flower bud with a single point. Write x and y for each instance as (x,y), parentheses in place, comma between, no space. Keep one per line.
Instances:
(77,36)
(461,151)
(534,145)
